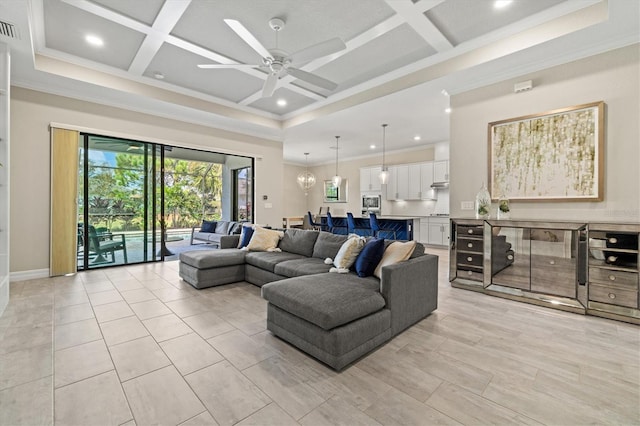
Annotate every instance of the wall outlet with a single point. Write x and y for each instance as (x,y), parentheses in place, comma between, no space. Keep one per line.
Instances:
(466,205)
(268,205)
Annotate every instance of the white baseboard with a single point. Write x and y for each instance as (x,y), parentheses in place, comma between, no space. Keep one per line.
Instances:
(29,275)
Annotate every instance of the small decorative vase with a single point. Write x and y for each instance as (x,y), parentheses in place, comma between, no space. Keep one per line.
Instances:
(504,209)
(483,203)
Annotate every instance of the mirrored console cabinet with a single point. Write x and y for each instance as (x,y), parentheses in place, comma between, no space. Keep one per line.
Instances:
(587,268)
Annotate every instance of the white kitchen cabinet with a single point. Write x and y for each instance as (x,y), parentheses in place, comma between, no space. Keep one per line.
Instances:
(438,231)
(441,171)
(424,231)
(370,179)
(414,182)
(426,179)
(405,182)
(398,186)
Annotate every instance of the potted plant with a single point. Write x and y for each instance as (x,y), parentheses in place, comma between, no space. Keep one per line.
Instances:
(504,208)
(483,203)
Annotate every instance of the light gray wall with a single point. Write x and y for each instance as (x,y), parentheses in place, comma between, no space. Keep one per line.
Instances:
(295,202)
(31,114)
(610,77)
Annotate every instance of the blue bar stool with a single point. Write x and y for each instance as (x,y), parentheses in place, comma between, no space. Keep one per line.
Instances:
(331,227)
(314,225)
(351,225)
(375,227)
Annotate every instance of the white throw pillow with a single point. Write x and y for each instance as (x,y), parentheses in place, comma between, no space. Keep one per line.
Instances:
(349,252)
(396,252)
(264,240)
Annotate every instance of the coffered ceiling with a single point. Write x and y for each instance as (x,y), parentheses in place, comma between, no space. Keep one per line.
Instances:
(398,56)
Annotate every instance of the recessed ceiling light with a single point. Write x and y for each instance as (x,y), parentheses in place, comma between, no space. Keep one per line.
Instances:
(158,75)
(94,40)
(444,92)
(372,146)
(500,4)
(447,110)
(417,138)
(281,102)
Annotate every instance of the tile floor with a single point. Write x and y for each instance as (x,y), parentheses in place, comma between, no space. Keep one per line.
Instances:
(135,345)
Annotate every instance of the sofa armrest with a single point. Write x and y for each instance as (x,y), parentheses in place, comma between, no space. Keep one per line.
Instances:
(410,289)
(229,241)
(193,230)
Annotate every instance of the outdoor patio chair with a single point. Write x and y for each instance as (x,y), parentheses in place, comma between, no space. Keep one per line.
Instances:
(106,244)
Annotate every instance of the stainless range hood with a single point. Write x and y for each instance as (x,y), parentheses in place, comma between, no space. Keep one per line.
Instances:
(440,185)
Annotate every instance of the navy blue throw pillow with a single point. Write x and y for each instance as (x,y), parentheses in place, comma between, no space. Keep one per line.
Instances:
(208,226)
(369,257)
(247,233)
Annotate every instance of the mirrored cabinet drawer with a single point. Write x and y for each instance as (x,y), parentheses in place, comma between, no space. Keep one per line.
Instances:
(613,296)
(470,275)
(469,244)
(628,280)
(473,259)
(470,230)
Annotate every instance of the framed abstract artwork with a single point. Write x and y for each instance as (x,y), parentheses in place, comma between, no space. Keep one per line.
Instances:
(553,156)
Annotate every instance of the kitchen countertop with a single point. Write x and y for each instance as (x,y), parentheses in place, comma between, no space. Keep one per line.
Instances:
(393,217)
(413,217)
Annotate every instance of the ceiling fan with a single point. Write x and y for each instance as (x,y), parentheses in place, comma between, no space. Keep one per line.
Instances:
(279,63)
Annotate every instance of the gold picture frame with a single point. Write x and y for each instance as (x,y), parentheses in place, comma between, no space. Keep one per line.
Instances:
(553,156)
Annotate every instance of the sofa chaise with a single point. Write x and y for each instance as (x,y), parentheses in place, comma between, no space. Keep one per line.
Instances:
(335,317)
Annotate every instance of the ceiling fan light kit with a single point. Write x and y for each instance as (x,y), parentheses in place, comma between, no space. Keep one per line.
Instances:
(278,63)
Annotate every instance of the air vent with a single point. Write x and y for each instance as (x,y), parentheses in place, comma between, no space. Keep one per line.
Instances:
(7,29)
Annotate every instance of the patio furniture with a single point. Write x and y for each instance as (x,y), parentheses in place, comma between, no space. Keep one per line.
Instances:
(107,243)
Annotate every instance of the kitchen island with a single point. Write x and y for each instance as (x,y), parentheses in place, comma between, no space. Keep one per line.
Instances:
(402,225)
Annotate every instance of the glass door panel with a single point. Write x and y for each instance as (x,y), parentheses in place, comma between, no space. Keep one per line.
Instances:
(510,257)
(114,201)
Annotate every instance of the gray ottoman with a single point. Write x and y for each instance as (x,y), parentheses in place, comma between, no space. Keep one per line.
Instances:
(208,268)
(337,318)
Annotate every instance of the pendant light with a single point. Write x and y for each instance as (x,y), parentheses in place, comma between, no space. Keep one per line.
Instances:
(306,180)
(384,174)
(337,180)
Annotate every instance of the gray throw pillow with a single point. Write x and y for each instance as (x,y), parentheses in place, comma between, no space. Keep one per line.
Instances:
(222,227)
(299,241)
(328,245)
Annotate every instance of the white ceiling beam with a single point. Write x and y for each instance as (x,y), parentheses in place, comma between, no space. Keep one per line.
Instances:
(167,18)
(108,14)
(424,5)
(415,17)
(356,42)
(157,36)
(145,29)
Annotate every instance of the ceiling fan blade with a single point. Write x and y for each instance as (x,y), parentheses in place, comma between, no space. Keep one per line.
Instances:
(248,38)
(212,66)
(269,85)
(318,51)
(316,80)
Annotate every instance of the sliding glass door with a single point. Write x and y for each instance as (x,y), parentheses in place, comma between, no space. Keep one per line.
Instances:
(117,200)
(138,201)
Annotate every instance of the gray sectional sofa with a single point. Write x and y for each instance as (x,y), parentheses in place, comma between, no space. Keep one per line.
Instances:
(226,234)
(337,318)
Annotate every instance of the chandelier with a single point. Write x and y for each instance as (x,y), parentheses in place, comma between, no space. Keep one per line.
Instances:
(306,179)
(336,180)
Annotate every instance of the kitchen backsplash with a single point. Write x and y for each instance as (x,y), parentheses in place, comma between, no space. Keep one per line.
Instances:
(417,208)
